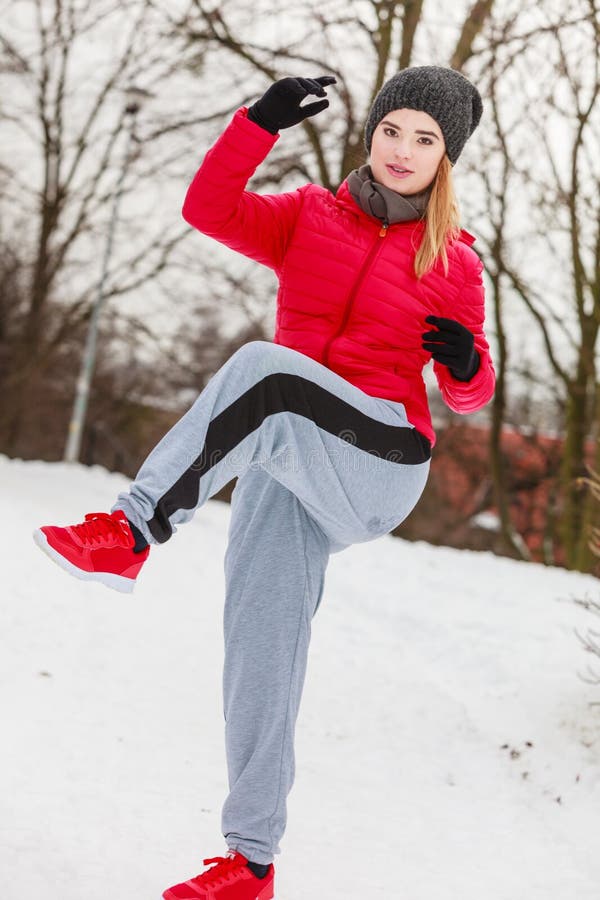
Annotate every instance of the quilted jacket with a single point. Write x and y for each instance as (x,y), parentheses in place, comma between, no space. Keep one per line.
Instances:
(348,296)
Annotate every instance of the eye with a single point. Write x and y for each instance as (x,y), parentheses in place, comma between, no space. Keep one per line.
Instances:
(391,132)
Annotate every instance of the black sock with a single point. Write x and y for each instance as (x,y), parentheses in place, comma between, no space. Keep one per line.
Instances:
(140,541)
(258,870)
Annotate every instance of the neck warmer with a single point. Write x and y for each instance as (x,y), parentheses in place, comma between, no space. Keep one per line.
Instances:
(382,202)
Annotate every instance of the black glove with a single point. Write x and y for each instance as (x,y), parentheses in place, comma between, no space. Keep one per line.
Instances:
(454,347)
(280,106)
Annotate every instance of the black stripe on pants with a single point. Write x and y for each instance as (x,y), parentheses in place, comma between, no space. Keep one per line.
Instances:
(285,392)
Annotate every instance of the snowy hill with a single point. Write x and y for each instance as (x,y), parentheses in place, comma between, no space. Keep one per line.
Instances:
(446,749)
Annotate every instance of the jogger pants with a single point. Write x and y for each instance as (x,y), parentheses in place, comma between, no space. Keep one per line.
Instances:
(321,465)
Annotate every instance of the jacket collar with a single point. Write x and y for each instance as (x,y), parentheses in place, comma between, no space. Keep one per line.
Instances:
(380,201)
(344,198)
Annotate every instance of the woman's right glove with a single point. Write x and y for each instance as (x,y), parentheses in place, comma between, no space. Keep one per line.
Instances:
(280,106)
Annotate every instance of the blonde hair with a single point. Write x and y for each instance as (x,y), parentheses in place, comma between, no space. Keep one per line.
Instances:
(442,222)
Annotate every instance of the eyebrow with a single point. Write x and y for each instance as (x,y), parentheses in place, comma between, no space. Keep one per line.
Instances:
(417,131)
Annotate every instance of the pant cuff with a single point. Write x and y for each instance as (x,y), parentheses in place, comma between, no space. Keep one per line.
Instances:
(252,854)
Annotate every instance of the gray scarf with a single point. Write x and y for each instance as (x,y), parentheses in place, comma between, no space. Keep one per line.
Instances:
(382,202)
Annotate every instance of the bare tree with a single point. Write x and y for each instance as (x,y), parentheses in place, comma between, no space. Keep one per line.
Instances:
(381,33)
(498,196)
(67,113)
(559,224)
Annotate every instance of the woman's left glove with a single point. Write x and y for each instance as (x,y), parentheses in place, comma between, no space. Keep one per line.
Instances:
(453,346)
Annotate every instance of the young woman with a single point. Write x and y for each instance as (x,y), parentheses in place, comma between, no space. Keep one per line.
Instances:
(327,427)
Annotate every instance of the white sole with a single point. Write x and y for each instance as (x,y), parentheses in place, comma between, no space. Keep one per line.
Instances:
(116,582)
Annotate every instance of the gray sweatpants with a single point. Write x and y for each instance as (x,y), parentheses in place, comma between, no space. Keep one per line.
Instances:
(321,465)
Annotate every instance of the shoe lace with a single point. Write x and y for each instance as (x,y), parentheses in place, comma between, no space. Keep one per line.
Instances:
(223,870)
(100,526)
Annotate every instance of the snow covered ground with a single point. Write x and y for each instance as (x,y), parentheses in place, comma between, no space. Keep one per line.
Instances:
(446,749)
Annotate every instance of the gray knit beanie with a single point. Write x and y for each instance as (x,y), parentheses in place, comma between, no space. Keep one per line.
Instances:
(444,94)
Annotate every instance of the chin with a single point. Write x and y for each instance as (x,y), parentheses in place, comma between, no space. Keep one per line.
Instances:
(399,187)
(399,190)
(407,191)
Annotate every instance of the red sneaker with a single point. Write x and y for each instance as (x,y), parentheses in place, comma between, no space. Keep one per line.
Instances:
(230,879)
(99,549)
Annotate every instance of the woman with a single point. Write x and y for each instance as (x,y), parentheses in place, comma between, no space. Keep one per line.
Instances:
(327,427)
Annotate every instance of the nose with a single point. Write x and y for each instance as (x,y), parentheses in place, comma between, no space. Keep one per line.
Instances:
(403,149)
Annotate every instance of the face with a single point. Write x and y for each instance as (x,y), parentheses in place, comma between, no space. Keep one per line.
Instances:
(409,139)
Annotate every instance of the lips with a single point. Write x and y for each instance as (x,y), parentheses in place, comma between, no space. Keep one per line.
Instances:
(400,170)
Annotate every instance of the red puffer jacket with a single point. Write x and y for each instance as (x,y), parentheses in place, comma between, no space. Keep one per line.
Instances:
(347,295)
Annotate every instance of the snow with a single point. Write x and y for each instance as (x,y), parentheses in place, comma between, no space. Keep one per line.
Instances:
(446,747)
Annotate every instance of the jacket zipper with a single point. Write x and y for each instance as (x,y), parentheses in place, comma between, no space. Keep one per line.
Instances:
(348,308)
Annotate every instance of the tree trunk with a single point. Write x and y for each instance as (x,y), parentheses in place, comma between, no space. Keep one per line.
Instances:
(573,468)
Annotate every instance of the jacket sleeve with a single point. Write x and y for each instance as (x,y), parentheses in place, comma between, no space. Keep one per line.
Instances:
(469,396)
(217,204)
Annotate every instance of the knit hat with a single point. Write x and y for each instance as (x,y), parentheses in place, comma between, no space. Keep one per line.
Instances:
(444,94)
